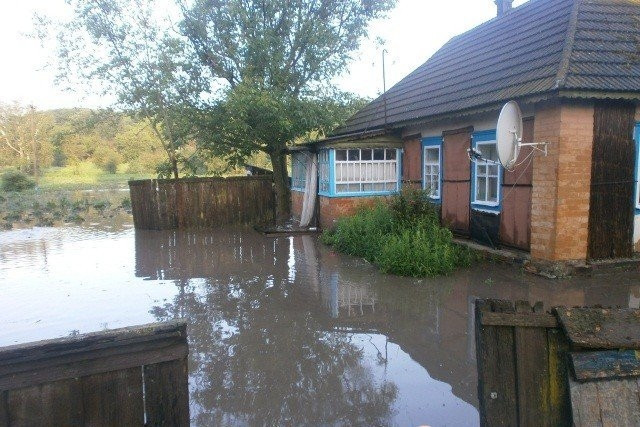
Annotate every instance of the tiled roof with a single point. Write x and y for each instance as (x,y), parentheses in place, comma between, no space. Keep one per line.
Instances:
(538,48)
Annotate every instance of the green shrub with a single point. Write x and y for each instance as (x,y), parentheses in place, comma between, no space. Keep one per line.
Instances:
(111,166)
(126,203)
(402,236)
(16,181)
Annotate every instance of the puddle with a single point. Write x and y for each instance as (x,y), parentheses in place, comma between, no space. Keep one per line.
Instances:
(281,330)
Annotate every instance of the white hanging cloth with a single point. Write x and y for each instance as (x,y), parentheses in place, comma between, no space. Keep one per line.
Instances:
(310,190)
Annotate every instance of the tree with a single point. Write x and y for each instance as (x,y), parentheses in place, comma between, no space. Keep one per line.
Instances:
(24,138)
(275,60)
(127,49)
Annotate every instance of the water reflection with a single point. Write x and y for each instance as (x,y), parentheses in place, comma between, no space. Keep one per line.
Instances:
(282,331)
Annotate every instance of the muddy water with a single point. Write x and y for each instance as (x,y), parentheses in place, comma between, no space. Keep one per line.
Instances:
(282,331)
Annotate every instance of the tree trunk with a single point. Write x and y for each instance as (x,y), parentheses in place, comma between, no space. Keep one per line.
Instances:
(281,183)
(174,167)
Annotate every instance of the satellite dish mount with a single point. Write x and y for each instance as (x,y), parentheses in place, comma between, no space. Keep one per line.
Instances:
(509,136)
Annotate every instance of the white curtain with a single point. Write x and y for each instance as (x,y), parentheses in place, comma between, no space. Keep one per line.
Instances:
(310,190)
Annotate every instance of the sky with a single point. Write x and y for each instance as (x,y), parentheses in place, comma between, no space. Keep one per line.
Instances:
(413,31)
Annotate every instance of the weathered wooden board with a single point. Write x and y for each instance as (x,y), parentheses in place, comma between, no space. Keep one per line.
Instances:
(201,202)
(605,403)
(532,356)
(612,181)
(601,328)
(497,371)
(52,360)
(113,398)
(609,364)
(541,320)
(55,404)
(521,370)
(98,379)
(167,393)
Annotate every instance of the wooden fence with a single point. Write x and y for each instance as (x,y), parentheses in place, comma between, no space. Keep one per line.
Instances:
(522,372)
(131,376)
(201,202)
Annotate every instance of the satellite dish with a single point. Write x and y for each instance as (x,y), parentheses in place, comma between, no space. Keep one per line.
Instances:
(509,134)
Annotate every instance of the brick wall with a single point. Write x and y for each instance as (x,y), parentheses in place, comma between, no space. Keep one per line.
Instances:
(332,208)
(296,203)
(412,163)
(561,182)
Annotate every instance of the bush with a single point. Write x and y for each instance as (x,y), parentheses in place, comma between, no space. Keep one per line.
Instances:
(111,166)
(16,181)
(402,237)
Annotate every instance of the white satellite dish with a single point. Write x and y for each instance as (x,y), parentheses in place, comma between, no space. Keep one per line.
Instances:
(509,135)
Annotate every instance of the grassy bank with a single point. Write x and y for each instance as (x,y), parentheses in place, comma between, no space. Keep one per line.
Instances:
(71,195)
(402,236)
(54,207)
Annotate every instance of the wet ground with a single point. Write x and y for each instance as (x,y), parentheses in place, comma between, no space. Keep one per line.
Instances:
(282,331)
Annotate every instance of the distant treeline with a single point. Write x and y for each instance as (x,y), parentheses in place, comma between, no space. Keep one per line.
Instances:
(33,141)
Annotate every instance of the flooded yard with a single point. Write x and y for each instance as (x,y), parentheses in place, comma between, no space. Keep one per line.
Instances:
(282,331)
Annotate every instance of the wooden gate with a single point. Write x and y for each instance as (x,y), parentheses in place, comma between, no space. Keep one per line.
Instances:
(456,182)
(120,377)
(515,219)
(522,378)
(611,207)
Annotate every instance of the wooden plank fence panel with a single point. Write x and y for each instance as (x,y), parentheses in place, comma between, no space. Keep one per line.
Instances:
(201,202)
(113,398)
(532,362)
(167,393)
(558,395)
(521,368)
(96,379)
(53,404)
(496,369)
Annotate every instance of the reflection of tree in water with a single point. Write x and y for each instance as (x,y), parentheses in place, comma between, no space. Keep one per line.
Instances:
(260,355)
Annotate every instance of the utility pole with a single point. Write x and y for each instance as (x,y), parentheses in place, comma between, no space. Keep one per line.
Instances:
(384,88)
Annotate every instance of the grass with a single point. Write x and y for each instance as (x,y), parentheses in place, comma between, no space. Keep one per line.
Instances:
(401,237)
(73,194)
(86,175)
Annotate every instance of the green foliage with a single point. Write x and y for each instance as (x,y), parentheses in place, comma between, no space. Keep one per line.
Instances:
(16,181)
(402,236)
(277,60)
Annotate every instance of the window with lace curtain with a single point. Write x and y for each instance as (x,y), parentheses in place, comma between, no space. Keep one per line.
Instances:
(366,170)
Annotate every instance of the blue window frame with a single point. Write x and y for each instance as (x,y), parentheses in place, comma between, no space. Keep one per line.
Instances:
(324,176)
(432,167)
(359,172)
(486,175)
(299,171)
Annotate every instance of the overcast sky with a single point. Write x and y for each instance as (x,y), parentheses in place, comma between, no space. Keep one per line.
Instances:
(412,33)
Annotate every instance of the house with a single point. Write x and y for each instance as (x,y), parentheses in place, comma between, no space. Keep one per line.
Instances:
(574,68)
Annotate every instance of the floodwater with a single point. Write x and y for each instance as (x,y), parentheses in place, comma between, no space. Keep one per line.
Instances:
(282,331)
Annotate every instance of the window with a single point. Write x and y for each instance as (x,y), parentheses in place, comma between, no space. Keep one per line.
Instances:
(323,171)
(487,174)
(298,171)
(431,179)
(366,170)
